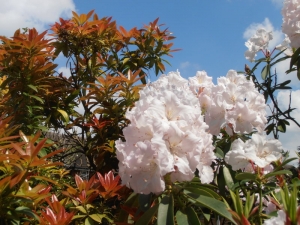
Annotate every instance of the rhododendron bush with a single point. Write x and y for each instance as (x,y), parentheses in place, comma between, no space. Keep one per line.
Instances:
(172,151)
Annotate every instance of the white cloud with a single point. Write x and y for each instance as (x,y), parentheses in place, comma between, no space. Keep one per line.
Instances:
(268,26)
(290,139)
(188,69)
(15,14)
(184,65)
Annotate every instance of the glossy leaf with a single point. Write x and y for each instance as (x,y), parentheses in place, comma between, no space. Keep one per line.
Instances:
(64,115)
(26,211)
(265,72)
(192,216)
(166,211)
(203,191)
(148,215)
(246,176)
(211,203)
(97,217)
(295,58)
(181,218)
(280,172)
(228,178)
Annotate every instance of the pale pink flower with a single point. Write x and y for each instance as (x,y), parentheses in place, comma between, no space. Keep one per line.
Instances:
(259,41)
(291,21)
(257,150)
(167,135)
(200,82)
(233,103)
(241,118)
(285,45)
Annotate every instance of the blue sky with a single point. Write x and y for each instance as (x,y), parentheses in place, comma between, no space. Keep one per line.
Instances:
(211,33)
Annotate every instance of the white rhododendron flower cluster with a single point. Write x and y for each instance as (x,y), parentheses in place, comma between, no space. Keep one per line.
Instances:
(172,126)
(234,104)
(259,41)
(291,21)
(257,151)
(166,136)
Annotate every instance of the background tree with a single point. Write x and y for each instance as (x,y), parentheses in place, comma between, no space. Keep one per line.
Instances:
(106,64)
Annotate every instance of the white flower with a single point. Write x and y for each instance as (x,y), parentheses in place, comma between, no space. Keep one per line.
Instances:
(278,220)
(291,21)
(200,82)
(234,102)
(167,135)
(257,150)
(141,166)
(285,45)
(259,41)
(241,117)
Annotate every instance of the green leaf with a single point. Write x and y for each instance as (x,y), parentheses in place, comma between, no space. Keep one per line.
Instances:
(203,191)
(236,202)
(37,98)
(42,152)
(166,211)
(156,68)
(246,176)
(265,72)
(269,128)
(285,83)
(280,172)
(221,182)
(33,87)
(159,46)
(144,202)
(125,60)
(219,153)
(210,203)
(97,217)
(228,178)
(192,216)
(266,96)
(27,211)
(143,79)
(271,185)
(292,207)
(64,114)
(132,201)
(81,209)
(294,58)
(89,221)
(5,82)
(284,198)
(287,161)
(298,69)
(147,216)
(281,126)
(72,96)
(248,204)
(280,59)
(181,218)
(78,216)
